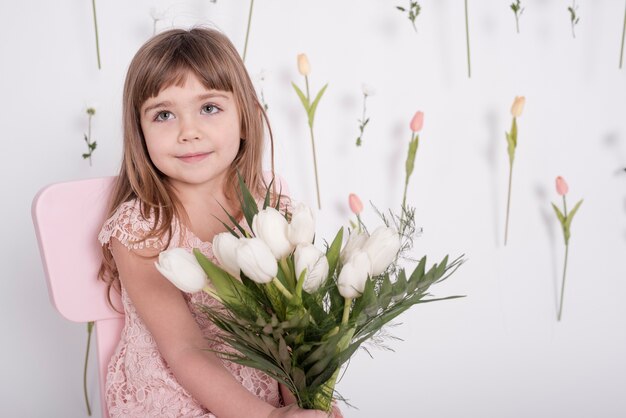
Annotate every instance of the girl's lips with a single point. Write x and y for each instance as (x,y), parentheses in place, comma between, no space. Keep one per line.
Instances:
(194,157)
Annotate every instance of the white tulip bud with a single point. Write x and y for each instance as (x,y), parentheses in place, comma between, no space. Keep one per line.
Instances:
(301,230)
(316,264)
(271,227)
(256,260)
(355,242)
(382,248)
(225,250)
(353,275)
(181,268)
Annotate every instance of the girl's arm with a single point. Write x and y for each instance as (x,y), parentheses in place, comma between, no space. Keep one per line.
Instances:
(165,313)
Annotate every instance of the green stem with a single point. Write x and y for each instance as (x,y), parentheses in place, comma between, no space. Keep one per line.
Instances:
(621,55)
(508,205)
(516,22)
(308,97)
(563,283)
(469,66)
(89,136)
(245,47)
(346,311)
(282,288)
(95,24)
(89,330)
(317,182)
(285,266)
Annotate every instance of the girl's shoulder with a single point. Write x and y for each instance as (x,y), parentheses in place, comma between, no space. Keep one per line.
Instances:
(130,227)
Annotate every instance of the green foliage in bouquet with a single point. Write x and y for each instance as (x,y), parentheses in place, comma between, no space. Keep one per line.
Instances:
(303,338)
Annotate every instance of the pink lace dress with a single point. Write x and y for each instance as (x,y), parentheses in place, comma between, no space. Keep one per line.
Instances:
(139,383)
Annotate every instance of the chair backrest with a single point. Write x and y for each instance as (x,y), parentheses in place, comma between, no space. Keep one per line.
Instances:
(67,218)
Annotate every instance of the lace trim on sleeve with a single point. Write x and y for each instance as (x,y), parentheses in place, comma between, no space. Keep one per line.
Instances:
(130,228)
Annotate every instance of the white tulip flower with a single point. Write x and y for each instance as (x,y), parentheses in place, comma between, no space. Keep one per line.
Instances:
(271,227)
(256,260)
(353,275)
(301,230)
(181,268)
(315,262)
(225,250)
(382,248)
(355,242)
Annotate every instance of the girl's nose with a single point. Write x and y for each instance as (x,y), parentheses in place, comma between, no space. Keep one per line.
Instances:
(188,129)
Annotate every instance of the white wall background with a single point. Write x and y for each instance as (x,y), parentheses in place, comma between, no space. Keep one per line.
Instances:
(497,353)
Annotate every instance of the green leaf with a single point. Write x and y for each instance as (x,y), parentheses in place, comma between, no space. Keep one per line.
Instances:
(234,222)
(416,276)
(400,286)
(570,215)
(410,157)
(332,255)
(559,214)
(285,356)
(227,288)
(248,204)
(313,108)
(266,201)
(303,98)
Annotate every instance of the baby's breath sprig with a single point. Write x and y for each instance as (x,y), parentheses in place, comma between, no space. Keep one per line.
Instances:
(574,18)
(517,8)
(261,80)
(412,12)
(91,146)
(406,226)
(367,92)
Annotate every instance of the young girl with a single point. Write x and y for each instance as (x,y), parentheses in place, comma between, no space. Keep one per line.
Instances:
(191,121)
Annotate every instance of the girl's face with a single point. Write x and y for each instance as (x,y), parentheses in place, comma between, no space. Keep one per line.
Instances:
(192,134)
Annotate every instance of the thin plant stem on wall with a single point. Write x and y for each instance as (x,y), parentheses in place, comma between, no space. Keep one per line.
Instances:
(621,55)
(573,16)
(517,8)
(89,332)
(469,64)
(511,140)
(91,146)
(95,24)
(367,91)
(245,46)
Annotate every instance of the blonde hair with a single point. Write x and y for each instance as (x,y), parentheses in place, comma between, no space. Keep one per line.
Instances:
(163,61)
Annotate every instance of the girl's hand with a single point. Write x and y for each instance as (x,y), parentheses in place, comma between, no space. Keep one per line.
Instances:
(292,411)
(335,412)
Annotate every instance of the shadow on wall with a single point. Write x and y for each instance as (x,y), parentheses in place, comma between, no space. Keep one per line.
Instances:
(548,220)
(494,137)
(613,144)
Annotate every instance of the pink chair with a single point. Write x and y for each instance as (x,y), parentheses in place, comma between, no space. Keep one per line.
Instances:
(67,218)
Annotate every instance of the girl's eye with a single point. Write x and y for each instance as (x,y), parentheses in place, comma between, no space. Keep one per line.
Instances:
(210,109)
(163,116)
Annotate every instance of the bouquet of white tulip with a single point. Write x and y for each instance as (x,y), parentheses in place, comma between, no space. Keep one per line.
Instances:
(292,310)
